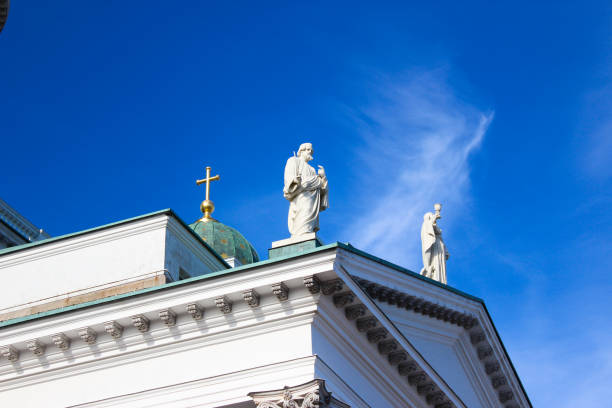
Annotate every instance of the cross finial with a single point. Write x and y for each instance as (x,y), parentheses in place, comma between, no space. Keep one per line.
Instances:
(207,205)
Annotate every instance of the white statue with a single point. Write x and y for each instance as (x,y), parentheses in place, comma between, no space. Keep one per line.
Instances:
(306,189)
(435,253)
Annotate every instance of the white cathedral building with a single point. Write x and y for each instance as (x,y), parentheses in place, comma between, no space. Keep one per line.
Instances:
(153,312)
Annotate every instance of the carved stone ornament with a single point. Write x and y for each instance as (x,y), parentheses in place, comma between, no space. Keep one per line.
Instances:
(61,341)
(313,284)
(499,381)
(312,394)
(10,353)
(417,378)
(354,311)
(407,368)
(36,347)
(251,297)
(426,388)
(505,396)
(196,312)
(435,398)
(387,346)
(366,323)
(281,291)
(168,317)
(88,335)
(376,335)
(343,299)
(397,357)
(224,304)
(141,323)
(331,286)
(477,337)
(492,367)
(484,351)
(114,329)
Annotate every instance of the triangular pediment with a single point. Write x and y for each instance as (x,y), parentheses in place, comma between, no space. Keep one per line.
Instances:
(451,330)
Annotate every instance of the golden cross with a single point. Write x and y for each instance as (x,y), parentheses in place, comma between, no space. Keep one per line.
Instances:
(207,206)
(207,180)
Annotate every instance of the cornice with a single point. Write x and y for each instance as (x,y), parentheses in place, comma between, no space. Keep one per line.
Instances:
(371,323)
(451,336)
(194,303)
(140,336)
(417,304)
(354,347)
(406,281)
(91,334)
(188,290)
(490,360)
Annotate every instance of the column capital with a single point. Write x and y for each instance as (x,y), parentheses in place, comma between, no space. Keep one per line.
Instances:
(312,394)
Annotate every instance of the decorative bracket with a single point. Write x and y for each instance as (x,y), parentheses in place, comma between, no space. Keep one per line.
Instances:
(10,353)
(168,317)
(331,286)
(343,299)
(195,311)
(281,291)
(61,341)
(114,329)
(141,323)
(313,284)
(88,335)
(251,297)
(36,347)
(224,304)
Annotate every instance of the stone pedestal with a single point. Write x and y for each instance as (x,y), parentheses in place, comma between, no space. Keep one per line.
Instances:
(294,245)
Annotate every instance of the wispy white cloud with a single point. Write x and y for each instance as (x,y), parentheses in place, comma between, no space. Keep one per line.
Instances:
(557,329)
(417,140)
(567,371)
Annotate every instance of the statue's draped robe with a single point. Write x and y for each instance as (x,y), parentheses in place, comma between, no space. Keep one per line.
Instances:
(434,251)
(307,198)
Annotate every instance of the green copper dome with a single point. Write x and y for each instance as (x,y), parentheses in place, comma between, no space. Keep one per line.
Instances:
(226,241)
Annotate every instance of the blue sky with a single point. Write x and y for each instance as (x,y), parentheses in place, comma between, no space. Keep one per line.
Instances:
(502,112)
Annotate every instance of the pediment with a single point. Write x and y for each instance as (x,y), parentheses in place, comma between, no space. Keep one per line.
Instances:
(451,330)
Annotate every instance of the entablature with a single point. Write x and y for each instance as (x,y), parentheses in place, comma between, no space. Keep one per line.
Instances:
(243,302)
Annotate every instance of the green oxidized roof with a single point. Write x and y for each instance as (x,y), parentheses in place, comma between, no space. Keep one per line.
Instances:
(226,241)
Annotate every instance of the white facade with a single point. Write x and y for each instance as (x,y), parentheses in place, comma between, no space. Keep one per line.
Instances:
(143,252)
(237,337)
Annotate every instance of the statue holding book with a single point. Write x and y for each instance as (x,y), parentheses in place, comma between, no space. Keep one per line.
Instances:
(306,190)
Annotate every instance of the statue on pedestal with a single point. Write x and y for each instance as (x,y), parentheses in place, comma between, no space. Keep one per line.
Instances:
(306,190)
(434,252)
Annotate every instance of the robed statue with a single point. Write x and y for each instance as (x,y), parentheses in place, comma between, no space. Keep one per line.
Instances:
(435,253)
(306,190)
